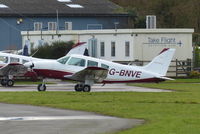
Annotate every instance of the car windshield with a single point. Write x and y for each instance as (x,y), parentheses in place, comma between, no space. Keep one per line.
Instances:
(63,60)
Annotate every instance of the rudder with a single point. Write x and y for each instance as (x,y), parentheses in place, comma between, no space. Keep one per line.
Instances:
(160,63)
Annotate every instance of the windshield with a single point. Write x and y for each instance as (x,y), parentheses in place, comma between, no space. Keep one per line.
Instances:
(63,60)
(4,59)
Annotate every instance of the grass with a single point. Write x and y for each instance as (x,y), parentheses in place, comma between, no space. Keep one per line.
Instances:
(165,113)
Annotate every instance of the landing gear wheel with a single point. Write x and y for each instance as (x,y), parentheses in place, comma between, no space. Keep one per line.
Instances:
(10,83)
(4,82)
(78,88)
(86,88)
(41,87)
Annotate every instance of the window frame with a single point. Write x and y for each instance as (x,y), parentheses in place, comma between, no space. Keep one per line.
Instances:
(113,49)
(68,25)
(37,26)
(52,26)
(127,48)
(102,49)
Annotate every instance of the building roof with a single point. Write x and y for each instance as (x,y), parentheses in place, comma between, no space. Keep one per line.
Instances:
(64,7)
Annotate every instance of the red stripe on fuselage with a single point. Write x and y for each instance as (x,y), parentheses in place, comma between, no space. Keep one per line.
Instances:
(51,73)
(149,80)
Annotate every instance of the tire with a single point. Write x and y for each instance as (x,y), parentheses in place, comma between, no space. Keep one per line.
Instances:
(86,88)
(78,88)
(41,87)
(4,82)
(10,83)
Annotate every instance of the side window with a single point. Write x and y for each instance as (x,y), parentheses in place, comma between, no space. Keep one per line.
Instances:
(63,60)
(24,61)
(92,63)
(14,60)
(4,59)
(105,66)
(76,62)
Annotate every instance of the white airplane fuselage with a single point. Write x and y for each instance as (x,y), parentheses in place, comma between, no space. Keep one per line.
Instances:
(116,72)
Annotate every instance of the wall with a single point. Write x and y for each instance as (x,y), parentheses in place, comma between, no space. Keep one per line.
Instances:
(145,44)
(10,33)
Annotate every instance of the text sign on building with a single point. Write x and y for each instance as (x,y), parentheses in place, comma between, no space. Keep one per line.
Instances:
(163,41)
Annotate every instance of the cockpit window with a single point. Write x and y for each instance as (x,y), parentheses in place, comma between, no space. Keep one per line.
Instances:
(63,60)
(4,59)
(14,60)
(76,62)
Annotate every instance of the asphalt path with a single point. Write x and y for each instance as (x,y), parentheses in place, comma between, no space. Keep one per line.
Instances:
(24,119)
(63,86)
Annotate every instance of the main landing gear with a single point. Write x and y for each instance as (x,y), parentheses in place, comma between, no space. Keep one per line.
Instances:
(82,87)
(7,82)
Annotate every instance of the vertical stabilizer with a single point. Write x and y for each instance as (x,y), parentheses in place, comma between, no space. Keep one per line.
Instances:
(160,64)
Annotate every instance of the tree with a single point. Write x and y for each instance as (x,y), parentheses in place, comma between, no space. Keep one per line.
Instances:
(53,51)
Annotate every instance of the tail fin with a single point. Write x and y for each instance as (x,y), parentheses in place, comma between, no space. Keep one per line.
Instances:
(79,48)
(160,64)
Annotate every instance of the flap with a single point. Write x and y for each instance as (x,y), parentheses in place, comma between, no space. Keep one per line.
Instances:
(96,74)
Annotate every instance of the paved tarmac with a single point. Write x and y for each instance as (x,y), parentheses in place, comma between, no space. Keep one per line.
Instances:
(95,88)
(24,119)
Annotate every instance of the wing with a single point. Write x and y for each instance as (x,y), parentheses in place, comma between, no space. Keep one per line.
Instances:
(95,74)
(14,69)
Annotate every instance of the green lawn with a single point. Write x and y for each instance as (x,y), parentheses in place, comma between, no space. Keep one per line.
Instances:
(165,113)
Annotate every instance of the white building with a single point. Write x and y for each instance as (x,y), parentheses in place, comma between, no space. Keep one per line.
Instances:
(122,45)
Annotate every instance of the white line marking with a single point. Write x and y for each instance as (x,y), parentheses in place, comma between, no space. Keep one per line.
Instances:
(37,118)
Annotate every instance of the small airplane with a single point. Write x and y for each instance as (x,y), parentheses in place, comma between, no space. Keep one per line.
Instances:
(88,70)
(11,65)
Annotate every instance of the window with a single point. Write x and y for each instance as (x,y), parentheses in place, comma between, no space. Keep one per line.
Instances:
(14,60)
(37,26)
(4,59)
(63,60)
(3,6)
(92,63)
(76,62)
(52,25)
(105,66)
(127,48)
(68,25)
(102,49)
(112,49)
(24,61)
(74,6)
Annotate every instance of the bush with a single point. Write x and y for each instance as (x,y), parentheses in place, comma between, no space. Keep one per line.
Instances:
(194,74)
(53,51)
